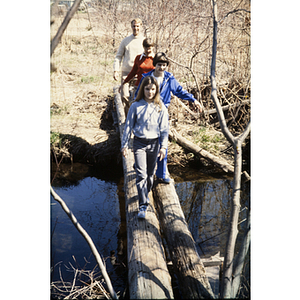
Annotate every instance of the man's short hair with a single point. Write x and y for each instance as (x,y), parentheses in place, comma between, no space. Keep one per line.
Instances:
(136,20)
(160,57)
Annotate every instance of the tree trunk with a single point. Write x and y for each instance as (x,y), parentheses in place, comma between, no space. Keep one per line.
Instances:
(239,261)
(233,227)
(229,269)
(64,25)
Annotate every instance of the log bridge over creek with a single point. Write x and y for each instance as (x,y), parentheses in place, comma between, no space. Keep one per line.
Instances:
(148,274)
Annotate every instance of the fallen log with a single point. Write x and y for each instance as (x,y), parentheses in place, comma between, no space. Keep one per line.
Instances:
(219,162)
(148,275)
(186,261)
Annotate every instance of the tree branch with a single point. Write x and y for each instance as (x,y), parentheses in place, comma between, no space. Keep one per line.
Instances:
(228,271)
(64,25)
(233,12)
(193,74)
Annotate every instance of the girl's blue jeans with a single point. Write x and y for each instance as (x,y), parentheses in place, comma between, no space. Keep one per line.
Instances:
(161,170)
(145,156)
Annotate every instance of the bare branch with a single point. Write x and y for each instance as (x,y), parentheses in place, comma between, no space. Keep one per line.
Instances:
(233,12)
(227,280)
(193,74)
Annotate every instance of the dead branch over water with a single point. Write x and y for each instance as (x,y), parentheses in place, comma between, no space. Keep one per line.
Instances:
(88,240)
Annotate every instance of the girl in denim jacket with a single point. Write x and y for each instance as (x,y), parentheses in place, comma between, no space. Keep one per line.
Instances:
(148,120)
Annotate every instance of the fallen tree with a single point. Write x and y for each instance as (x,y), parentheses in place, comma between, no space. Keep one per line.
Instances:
(148,274)
(187,263)
(217,161)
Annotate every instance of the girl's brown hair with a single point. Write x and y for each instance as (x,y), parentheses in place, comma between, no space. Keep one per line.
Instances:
(146,81)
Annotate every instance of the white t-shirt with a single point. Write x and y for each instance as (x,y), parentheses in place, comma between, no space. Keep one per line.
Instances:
(159,80)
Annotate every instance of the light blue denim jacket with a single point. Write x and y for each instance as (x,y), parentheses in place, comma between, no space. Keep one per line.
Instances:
(147,122)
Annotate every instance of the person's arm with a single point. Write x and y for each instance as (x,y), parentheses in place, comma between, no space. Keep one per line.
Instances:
(181,93)
(127,130)
(118,60)
(136,92)
(134,69)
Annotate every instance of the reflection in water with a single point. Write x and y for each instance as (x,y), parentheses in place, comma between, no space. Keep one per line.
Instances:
(206,206)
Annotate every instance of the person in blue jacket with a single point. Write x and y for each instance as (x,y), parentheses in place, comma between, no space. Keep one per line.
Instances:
(167,84)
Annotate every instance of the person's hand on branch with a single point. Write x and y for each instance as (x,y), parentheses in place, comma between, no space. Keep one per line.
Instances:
(124,151)
(198,105)
(162,153)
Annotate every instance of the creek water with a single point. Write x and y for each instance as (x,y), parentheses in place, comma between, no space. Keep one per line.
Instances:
(96,198)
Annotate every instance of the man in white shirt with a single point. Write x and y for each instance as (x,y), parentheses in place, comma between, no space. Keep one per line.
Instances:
(130,47)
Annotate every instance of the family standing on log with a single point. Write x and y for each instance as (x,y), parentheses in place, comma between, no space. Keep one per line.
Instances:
(147,116)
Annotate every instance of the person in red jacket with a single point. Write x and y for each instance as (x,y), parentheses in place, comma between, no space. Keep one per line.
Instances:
(143,63)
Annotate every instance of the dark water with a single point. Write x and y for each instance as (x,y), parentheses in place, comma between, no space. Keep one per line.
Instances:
(96,198)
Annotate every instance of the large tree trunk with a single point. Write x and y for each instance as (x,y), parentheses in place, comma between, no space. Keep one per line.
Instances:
(64,25)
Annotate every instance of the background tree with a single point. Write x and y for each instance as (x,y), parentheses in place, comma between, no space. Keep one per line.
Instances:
(64,25)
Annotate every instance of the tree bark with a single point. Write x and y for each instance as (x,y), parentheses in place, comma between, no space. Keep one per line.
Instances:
(55,41)
(233,227)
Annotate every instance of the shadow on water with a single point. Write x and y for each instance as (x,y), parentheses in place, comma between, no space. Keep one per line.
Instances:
(95,195)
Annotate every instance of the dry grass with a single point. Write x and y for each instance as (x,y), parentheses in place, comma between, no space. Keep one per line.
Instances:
(91,286)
